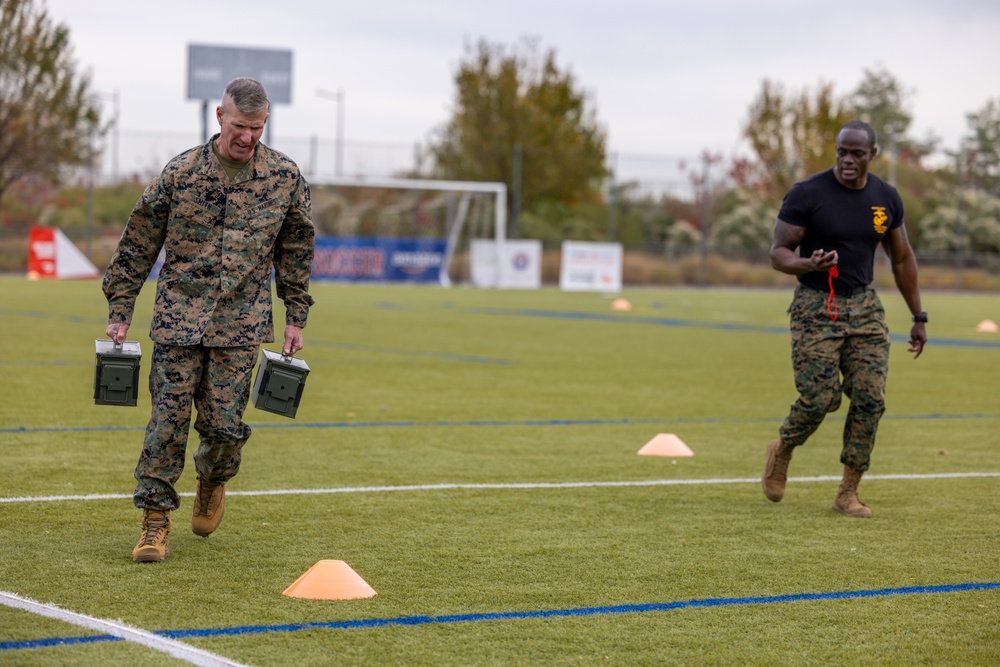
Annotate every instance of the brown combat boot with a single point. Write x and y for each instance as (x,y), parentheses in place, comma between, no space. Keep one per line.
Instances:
(776,470)
(152,547)
(847,501)
(209,506)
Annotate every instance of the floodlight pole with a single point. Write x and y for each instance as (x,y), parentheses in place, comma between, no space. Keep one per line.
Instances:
(204,121)
(339,98)
(114,136)
(90,189)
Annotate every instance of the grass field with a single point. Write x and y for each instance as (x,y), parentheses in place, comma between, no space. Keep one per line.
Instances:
(472,455)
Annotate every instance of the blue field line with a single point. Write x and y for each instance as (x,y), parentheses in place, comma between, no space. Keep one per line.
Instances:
(699,324)
(372,623)
(629,319)
(425,354)
(512,422)
(57,362)
(556,314)
(356,347)
(62,317)
(446,356)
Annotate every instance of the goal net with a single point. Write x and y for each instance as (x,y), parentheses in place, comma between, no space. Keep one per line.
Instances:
(403,229)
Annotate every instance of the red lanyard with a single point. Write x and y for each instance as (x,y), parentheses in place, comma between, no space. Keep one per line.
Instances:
(831,301)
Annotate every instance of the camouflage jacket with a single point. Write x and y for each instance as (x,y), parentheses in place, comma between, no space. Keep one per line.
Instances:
(220,240)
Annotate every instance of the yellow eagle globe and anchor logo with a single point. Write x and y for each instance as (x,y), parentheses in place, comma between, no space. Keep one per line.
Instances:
(879,218)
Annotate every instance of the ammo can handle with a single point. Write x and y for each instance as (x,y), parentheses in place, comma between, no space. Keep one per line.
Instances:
(117,346)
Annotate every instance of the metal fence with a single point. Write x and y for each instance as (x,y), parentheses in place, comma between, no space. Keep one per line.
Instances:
(136,155)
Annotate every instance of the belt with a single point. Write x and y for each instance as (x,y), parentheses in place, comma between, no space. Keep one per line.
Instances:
(841,291)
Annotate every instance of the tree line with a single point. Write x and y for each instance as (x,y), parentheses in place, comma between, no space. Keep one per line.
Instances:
(521,118)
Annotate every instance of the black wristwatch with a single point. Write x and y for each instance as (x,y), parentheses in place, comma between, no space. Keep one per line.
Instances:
(922,317)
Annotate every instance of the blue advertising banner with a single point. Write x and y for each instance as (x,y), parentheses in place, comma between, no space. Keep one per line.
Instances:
(378,259)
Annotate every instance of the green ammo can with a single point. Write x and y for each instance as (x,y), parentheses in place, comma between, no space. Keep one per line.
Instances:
(116,373)
(279,384)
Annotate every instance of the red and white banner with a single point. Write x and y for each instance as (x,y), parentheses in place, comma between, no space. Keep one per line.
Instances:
(52,255)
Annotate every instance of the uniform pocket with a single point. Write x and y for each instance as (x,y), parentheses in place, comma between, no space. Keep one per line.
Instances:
(194,219)
(263,221)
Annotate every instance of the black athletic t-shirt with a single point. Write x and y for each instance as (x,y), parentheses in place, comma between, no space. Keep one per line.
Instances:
(852,222)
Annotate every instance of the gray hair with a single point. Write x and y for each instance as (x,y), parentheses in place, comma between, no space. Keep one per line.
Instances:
(248,95)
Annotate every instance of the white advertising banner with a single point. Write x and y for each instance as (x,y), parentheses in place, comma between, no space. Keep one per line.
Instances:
(520,267)
(591,266)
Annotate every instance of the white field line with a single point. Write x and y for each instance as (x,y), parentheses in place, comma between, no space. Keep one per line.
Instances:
(540,485)
(172,647)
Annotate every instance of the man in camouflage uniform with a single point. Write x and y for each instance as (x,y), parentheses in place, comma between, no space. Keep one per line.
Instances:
(840,343)
(223,213)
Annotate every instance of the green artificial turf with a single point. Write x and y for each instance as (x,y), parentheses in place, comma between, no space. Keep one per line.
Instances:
(473,452)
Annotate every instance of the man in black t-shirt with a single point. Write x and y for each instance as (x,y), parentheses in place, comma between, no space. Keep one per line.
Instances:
(827,232)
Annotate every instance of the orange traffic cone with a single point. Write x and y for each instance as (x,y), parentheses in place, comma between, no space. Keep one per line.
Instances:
(665,444)
(330,580)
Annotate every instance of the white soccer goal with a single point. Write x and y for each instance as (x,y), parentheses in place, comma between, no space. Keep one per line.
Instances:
(455,221)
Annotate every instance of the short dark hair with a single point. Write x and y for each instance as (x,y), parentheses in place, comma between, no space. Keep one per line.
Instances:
(248,95)
(864,127)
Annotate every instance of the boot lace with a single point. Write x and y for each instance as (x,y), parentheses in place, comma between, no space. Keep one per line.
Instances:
(782,457)
(153,526)
(204,500)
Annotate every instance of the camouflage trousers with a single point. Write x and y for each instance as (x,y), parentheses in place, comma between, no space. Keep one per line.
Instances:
(216,381)
(850,356)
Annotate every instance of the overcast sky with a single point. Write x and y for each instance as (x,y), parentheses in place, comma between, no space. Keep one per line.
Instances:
(665,77)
